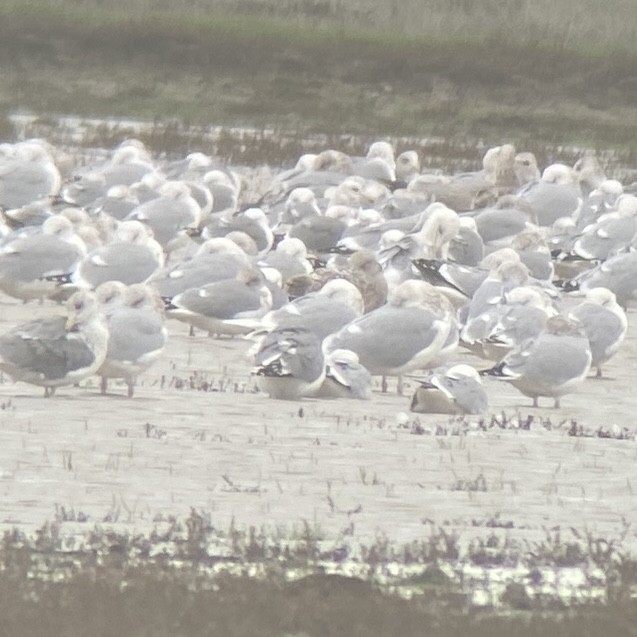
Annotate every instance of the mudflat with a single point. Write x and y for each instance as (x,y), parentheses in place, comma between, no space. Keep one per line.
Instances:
(198,434)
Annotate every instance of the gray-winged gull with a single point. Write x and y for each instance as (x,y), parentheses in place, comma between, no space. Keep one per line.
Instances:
(30,264)
(289,258)
(406,334)
(168,215)
(216,259)
(57,351)
(345,377)
(611,234)
(556,194)
(28,176)
(618,274)
(232,306)
(554,364)
(324,312)
(521,317)
(137,336)
(456,390)
(604,322)
(252,221)
(290,364)
(132,257)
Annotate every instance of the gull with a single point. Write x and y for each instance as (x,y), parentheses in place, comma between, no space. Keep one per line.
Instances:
(553,364)
(456,390)
(290,364)
(56,351)
(604,323)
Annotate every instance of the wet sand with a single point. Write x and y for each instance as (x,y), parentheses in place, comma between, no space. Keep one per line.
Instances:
(344,467)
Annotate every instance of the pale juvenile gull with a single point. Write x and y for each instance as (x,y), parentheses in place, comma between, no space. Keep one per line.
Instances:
(364,271)
(456,390)
(604,322)
(57,351)
(554,364)
(466,191)
(290,364)
(345,377)
(525,168)
(407,166)
(589,172)
(137,336)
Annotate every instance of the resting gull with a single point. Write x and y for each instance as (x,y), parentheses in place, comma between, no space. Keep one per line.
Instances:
(27,176)
(31,263)
(290,364)
(132,257)
(232,306)
(57,351)
(457,390)
(345,377)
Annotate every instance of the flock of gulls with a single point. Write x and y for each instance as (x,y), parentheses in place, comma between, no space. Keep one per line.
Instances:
(336,271)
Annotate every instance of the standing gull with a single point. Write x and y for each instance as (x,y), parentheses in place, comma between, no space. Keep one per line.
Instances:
(604,322)
(137,336)
(554,364)
(407,333)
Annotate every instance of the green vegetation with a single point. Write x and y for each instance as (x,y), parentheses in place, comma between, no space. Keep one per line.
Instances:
(517,70)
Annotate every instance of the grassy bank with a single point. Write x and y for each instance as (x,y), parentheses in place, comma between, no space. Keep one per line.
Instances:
(324,68)
(179,581)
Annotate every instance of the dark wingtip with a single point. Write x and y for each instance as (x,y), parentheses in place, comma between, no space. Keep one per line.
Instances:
(568,286)
(340,250)
(497,371)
